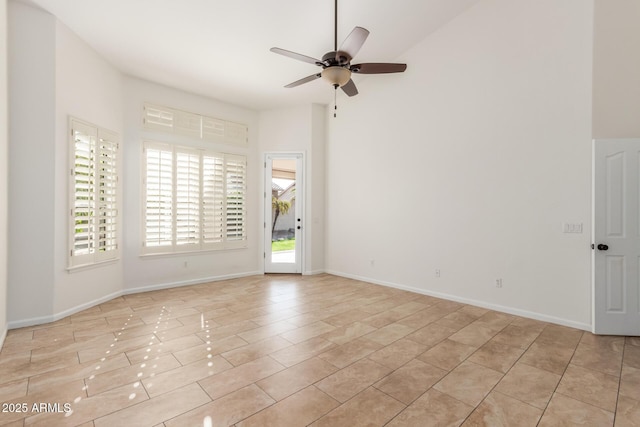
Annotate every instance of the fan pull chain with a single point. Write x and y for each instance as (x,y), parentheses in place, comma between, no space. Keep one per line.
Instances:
(335,101)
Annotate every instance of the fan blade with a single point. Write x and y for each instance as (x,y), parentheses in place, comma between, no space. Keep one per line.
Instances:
(354,41)
(298,56)
(378,68)
(350,88)
(307,79)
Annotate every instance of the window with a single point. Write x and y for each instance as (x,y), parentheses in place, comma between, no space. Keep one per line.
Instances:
(170,120)
(94,194)
(194,199)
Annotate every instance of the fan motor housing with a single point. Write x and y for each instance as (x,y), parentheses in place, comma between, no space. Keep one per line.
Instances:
(334,58)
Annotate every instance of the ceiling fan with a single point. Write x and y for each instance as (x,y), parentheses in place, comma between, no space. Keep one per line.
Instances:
(336,65)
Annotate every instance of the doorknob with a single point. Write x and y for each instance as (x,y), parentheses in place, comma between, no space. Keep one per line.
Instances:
(602,247)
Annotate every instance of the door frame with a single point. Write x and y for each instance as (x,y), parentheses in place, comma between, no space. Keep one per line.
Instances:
(300,206)
(593,236)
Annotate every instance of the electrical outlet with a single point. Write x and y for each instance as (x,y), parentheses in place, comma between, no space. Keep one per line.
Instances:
(437,272)
(498,283)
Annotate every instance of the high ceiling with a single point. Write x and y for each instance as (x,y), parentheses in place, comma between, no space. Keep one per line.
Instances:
(220,48)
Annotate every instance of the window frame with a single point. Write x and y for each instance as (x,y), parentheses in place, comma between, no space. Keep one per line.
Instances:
(158,118)
(214,191)
(102,203)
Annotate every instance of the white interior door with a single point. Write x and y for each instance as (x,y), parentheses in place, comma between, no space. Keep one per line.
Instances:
(284,201)
(617,237)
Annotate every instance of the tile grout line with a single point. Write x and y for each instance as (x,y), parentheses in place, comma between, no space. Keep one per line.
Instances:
(451,370)
(561,377)
(615,412)
(505,374)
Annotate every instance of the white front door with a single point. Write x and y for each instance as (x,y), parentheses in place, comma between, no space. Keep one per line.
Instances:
(616,237)
(284,197)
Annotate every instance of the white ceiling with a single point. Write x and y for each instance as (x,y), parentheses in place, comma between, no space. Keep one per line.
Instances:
(220,48)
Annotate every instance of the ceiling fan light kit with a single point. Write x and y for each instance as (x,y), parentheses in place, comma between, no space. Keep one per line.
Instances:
(336,75)
(336,65)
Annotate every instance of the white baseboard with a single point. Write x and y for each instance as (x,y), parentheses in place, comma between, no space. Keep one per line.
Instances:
(54,317)
(510,310)
(198,281)
(3,335)
(61,315)
(313,272)
(477,303)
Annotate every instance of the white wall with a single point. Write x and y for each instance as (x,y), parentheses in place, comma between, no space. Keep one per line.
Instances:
(159,271)
(468,163)
(4,165)
(471,161)
(88,88)
(32,38)
(616,69)
(317,204)
(302,129)
(53,74)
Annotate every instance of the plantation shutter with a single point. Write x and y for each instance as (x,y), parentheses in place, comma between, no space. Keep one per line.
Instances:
(171,120)
(236,210)
(158,118)
(187,198)
(212,200)
(83,190)
(106,195)
(187,124)
(236,133)
(94,194)
(158,232)
(195,199)
(213,129)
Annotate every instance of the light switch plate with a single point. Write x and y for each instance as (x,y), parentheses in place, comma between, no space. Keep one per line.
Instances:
(568,227)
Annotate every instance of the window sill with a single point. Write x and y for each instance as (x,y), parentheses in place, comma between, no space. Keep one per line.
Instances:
(91,266)
(194,252)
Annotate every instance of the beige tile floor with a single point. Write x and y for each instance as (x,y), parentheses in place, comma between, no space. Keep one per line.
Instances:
(312,350)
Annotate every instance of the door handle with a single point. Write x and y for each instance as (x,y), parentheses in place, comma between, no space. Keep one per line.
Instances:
(602,247)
